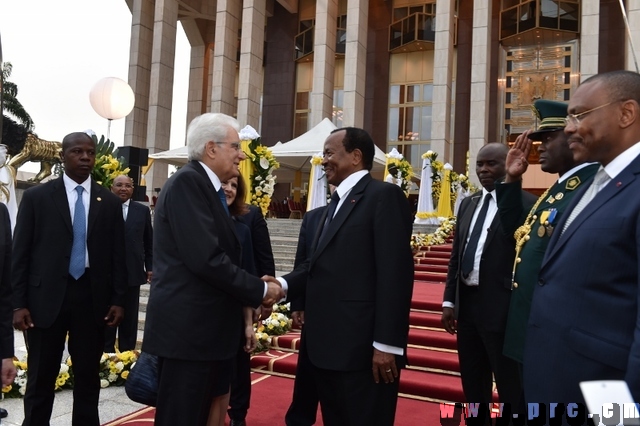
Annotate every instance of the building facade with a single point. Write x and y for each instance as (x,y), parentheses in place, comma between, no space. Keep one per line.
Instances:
(445,75)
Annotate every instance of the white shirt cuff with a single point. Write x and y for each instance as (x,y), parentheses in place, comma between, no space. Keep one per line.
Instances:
(448,305)
(388,348)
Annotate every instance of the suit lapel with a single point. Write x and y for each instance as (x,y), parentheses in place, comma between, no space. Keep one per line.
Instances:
(95,204)
(613,188)
(59,196)
(216,200)
(465,222)
(341,216)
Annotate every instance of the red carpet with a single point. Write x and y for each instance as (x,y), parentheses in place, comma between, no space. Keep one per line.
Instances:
(270,398)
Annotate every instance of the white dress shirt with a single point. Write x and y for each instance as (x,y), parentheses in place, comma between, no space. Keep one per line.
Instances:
(72,196)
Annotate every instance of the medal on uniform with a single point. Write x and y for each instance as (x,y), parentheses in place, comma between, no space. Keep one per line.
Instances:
(551,200)
(544,216)
(549,230)
(559,196)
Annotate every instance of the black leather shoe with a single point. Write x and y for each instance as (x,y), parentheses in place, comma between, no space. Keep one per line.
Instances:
(3,413)
(237,423)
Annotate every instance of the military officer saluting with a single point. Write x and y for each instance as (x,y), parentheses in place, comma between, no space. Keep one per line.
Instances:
(534,228)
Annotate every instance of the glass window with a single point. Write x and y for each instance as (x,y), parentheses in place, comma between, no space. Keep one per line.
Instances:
(427,93)
(301,123)
(302,100)
(395,131)
(413,93)
(394,95)
(426,119)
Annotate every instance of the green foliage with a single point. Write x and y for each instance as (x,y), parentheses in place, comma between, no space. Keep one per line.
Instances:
(10,102)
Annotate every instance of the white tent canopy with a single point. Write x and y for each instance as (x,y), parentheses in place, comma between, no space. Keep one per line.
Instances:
(177,156)
(296,154)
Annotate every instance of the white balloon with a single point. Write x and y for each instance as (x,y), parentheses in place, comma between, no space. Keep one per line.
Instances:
(112,98)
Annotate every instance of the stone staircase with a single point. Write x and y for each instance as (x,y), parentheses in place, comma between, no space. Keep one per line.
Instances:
(284,241)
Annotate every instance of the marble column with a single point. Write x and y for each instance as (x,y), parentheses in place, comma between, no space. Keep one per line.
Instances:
(324,46)
(161,86)
(224,56)
(355,62)
(633,14)
(480,64)
(442,80)
(251,55)
(589,38)
(135,127)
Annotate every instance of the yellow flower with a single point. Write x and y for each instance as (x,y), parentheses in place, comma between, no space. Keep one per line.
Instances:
(125,374)
(7,388)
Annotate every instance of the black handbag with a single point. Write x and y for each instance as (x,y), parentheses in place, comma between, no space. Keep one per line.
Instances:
(142,383)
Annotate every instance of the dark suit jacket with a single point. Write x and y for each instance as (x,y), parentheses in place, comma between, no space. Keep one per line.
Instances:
(197,290)
(262,252)
(585,319)
(358,281)
(495,264)
(42,249)
(6,312)
(512,216)
(139,243)
(310,226)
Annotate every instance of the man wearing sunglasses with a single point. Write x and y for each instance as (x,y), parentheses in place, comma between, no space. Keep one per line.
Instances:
(585,320)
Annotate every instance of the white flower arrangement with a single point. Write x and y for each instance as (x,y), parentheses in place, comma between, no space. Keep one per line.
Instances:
(264,163)
(114,369)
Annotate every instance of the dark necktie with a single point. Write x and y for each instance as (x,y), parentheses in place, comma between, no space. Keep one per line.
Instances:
(470,252)
(79,246)
(223,200)
(335,199)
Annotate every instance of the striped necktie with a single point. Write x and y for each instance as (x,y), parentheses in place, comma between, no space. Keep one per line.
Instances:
(599,181)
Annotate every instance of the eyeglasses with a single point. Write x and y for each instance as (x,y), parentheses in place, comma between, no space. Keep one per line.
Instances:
(574,119)
(120,185)
(233,145)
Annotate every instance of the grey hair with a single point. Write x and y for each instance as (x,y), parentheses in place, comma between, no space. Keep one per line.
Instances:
(209,127)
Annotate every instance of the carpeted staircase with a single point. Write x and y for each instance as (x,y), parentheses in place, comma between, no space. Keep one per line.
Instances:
(433,372)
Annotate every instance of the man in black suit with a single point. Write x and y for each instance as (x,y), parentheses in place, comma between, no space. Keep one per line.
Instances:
(304,403)
(68,277)
(194,316)
(8,370)
(138,235)
(479,288)
(240,396)
(357,286)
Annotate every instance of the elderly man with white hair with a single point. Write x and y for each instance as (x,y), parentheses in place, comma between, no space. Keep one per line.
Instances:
(194,315)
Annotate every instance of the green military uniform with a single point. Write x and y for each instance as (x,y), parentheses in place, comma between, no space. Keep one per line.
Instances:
(543,221)
(533,229)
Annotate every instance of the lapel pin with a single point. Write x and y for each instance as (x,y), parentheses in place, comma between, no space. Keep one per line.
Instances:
(353,201)
(99,199)
(619,184)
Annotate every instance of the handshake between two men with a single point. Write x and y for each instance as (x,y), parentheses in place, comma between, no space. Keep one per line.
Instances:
(275,292)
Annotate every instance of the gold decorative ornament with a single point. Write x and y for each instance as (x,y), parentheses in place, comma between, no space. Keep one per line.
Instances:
(38,150)
(573,183)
